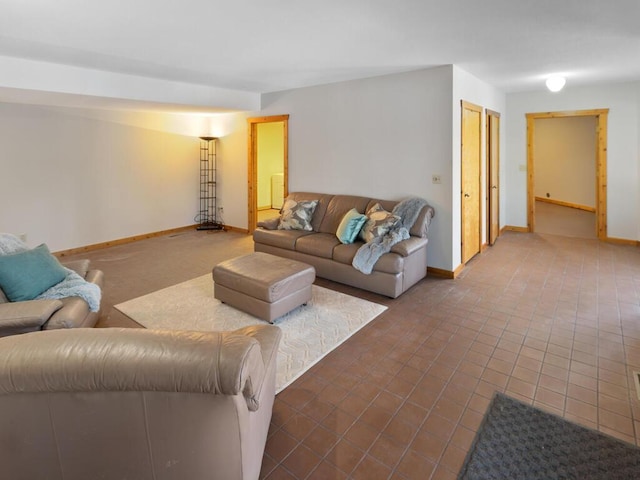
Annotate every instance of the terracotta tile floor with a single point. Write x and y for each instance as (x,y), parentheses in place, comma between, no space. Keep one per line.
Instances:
(550,320)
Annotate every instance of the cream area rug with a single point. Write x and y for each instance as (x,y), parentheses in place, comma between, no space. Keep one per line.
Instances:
(309,332)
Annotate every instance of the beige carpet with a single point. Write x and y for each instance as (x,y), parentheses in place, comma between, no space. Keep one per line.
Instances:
(309,332)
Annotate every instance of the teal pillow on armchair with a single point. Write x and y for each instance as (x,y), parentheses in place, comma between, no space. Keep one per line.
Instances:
(25,275)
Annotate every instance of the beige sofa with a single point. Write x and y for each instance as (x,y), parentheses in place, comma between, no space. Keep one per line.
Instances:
(393,274)
(132,403)
(33,315)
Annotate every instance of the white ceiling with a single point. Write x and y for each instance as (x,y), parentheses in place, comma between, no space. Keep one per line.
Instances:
(270,45)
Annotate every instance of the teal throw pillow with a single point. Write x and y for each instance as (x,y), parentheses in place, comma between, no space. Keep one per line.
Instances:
(25,275)
(350,226)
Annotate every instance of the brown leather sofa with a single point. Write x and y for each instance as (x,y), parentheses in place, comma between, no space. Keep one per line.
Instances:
(33,315)
(393,274)
(132,403)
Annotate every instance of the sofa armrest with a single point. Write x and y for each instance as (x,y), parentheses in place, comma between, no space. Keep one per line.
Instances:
(269,339)
(95,276)
(127,359)
(16,317)
(409,246)
(421,226)
(81,267)
(269,223)
(71,316)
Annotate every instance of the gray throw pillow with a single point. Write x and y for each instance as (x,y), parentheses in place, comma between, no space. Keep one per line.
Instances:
(378,223)
(297,215)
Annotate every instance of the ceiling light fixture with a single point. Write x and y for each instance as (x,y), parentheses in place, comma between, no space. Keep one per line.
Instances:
(556,83)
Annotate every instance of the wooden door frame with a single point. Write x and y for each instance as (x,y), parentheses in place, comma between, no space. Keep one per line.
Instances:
(252,170)
(488,156)
(601,164)
(476,108)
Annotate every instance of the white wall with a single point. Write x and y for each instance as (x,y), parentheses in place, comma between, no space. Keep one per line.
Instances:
(564,152)
(623,209)
(233,168)
(382,137)
(471,89)
(70,181)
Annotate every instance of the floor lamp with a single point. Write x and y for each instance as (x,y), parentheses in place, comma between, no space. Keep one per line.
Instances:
(207,217)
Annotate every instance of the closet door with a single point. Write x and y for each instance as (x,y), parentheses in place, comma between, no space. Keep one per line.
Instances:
(470,172)
(493,184)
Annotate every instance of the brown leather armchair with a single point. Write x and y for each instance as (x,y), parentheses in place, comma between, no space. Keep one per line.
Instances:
(134,403)
(33,315)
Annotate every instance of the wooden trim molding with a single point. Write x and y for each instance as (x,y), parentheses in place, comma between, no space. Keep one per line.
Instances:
(622,241)
(439,272)
(569,113)
(123,241)
(512,228)
(586,208)
(272,118)
(601,174)
(236,229)
(470,106)
(531,204)
(136,238)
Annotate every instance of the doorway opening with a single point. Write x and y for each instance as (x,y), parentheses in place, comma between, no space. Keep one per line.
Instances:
(268,167)
(584,196)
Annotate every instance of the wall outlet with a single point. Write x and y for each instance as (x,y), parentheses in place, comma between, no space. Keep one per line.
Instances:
(436,179)
(23,237)
(221,209)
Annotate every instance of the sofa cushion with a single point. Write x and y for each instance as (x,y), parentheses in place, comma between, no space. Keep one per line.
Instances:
(18,317)
(297,215)
(25,275)
(350,226)
(337,207)
(345,253)
(318,244)
(379,222)
(387,263)
(279,238)
(269,223)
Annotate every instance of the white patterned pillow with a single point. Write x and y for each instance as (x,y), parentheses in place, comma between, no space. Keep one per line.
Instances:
(378,223)
(297,215)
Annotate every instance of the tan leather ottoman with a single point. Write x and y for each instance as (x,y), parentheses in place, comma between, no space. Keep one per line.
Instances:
(263,285)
